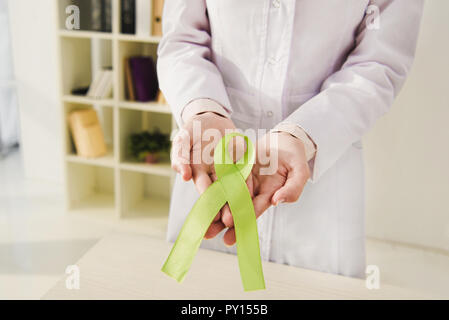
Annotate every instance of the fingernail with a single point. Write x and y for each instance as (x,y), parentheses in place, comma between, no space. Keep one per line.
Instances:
(279,202)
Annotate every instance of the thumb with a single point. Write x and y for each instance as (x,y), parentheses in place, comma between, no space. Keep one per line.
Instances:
(261,203)
(292,188)
(180,155)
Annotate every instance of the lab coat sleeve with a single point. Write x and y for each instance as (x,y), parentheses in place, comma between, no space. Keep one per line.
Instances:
(353,98)
(185,70)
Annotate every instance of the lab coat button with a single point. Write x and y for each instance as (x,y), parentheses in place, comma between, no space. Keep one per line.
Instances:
(269,114)
(271,61)
(276,3)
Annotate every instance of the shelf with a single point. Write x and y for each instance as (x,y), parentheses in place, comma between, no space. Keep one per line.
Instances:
(115,188)
(138,38)
(105,161)
(144,195)
(145,106)
(87,100)
(81,60)
(160,169)
(108,36)
(98,205)
(91,189)
(86,34)
(107,121)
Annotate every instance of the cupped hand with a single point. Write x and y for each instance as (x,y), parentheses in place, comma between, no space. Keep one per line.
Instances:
(281,179)
(192,156)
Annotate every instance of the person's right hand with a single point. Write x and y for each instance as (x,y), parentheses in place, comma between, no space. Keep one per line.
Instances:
(192,158)
(283,184)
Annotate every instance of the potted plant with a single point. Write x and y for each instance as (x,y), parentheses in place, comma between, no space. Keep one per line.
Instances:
(149,146)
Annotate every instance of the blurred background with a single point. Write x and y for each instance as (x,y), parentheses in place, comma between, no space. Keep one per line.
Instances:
(84,140)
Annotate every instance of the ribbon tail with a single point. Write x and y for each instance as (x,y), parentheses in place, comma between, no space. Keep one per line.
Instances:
(248,250)
(192,233)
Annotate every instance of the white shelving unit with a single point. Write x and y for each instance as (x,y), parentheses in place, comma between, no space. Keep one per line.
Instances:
(113,187)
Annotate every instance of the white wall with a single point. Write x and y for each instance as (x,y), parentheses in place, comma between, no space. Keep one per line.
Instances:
(407,153)
(34,43)
(9,119)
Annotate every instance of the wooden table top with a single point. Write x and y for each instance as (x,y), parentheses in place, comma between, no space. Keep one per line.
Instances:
(127,266)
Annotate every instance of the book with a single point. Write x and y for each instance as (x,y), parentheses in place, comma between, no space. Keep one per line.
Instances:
(105,87)
(158,6)
(143,17)
(129,85)
(93,88)
(160,98)
(106,17)
(96,15)
(128,16)
(96,11)
(144,78)
(85,7)
(80,91)
(87,133)
(102,85)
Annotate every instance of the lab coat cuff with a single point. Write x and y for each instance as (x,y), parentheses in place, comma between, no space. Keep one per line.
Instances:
(203,105)
(298,132)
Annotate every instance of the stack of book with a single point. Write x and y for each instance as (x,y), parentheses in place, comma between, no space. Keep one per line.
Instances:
(96,15)
(140,79)
(102,84)
(142,17)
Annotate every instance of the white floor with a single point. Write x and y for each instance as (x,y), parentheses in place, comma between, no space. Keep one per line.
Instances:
(38,240)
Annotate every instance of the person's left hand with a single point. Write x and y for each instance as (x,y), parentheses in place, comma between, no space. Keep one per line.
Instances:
(284,184)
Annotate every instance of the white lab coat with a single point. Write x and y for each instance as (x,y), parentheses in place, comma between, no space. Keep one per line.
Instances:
(321,64)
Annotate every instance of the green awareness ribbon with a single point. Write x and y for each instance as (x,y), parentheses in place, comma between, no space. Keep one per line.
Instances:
(230,187)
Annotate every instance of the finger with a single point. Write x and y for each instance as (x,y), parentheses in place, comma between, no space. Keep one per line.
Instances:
(261,203)
(180,155)
(184,170)
(292,189)
(201,179)
(250,185)
(226,217)
(213,177)
(229,237)
(214,229)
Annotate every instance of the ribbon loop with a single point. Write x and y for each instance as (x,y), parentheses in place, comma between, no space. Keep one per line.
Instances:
(230,187)
(223,160)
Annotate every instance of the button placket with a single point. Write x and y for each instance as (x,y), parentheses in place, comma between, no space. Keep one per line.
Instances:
(272,83)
